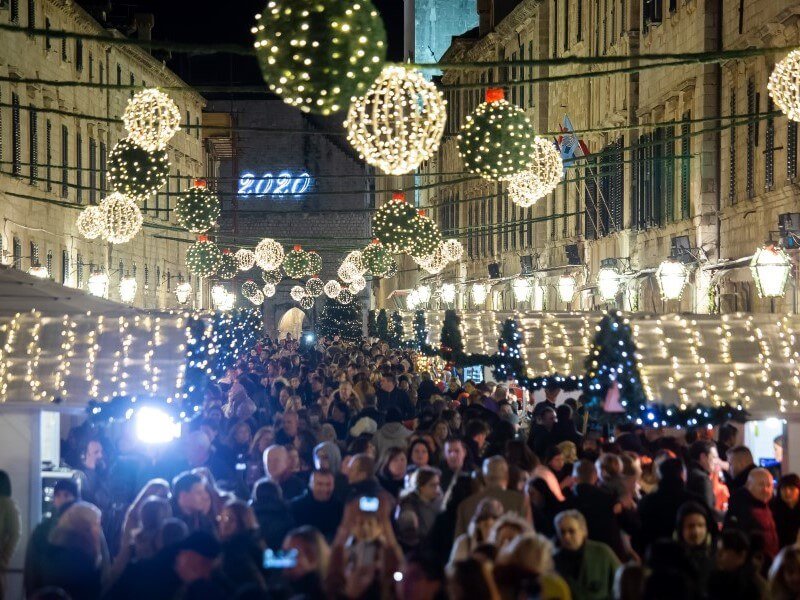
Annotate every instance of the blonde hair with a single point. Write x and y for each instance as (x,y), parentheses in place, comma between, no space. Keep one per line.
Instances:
(529,551)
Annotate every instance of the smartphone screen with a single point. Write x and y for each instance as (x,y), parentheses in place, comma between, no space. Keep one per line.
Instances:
(368,504)
(281,559)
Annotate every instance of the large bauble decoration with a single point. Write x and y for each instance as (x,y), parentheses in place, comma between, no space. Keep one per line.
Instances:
(295,265)
(452,250)
(314,262)
(376,258)
(434,263)
(399,122)
(318,54)
(245,259)
(393,224)
(227,266)
(197,209)
(332,288)
(426,238)
(122,218)
(249,288)
(203,257)
(91,222)
(274,277)
(297,292)
(358,284)
(541,178)
(784,85)
(269,254)
(151,118)
(306,302)
(257,298)
(348,272)
(315,287)
(345,297)
(136,172)
(496,140)
(268,290)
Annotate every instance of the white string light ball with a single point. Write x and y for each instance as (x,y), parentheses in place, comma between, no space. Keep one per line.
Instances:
(245,259)
(332,288)
(203,257)
(393,224)
(452,250)
(274,277)
(197,209)
(347,272)
(495,141)
(297,292)
(541,178)
(345,297)
(356,259)
(784,85)
(249,289)
(151,119)
(227,265)
(426,238)
(399,122)
(315,287)
(136,172)
(314,262)
(268,290)
(122,218)
(319,54)
(91,222)
(257,298)
(358,284)
(433,263)
(306,302)
(269,254)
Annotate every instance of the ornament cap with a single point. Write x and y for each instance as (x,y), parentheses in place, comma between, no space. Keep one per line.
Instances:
(202,238)
(495,94)
(399,196)
(200,183)
(298,247)
(421,212)
(226,251)
(376,241)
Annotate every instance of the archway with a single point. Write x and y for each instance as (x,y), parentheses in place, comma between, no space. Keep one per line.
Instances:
(291,322)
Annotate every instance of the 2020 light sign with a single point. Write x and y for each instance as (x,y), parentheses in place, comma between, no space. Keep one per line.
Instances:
(283,184)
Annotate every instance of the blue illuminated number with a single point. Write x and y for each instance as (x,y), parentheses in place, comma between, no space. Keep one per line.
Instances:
(284,180)
(264,185)
(245,183)
(283,184)
(301,184)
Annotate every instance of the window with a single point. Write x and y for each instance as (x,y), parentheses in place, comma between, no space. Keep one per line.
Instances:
(64,161)
(16,252)
(623,17)
(79,168)
(791,150)
(103,182)
(14,12)
(1,127)
(133,82)
(555,28)
(521,73)
(16,146)
(64,49)
(33,150)
(673,6)
(605,26)
(769,152)
(732,152)
(65,266)
(146,277)
(610,196)
(566,25)
(686,165)
(79,55)
(597,27)
(590,197)
(752,138)
(48,153)
(651,13)
(102,72)
(119,74)
(91,67)
(49,263)
(31,14)
(197,128)
(34,253)
(48,43)
(579,20)
(92,171)
(79,271)
(613,21)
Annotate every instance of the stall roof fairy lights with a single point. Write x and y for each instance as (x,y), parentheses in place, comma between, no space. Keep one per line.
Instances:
(748,360)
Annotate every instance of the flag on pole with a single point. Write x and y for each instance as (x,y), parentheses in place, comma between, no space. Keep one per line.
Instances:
(570,145)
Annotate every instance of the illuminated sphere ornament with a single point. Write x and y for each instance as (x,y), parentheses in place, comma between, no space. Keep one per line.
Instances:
(452,250)
(297,292)
(318,54)
(345,297)
(770,267)
(332,288)
(227,301)
(306,302)
(399,122)
(608,283)
(151,118)
(376,259)
(227,265)
(433,263)
(784,85)
(496,140)
(249,289)
(356,259)
(315,287)
(423,293)
(98,283)
(522,289)
(426,238)
(268,290)
(393,224)
(203,257)
(91,222)
(257,298)
(348,272)
(274,277)
(269,254)
(314,262)
(358,284)
(136,172)
(296,263)
(541,178)
(245,259)
(122,218)
(672,276)
(479,292)
(197,209)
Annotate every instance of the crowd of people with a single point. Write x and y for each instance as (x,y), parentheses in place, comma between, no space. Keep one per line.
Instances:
(337,470)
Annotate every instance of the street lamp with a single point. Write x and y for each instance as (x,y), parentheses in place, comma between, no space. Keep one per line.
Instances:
(424,294)
(479,293)
(448,293)
(183,291)
(770,267)
(566,287)
(219,295)
(127,288)
(522,289)
(672,276)
(37,270)
(98,283)
(608,280)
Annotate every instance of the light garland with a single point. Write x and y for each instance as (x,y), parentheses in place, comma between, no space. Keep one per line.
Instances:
(399,122)
(249,289)
(127,289)
(672,276)
(91,222)
(135,172)
(332,288)
(452,250)
(376,258)
(345,297)
(495,142)
(227,265)
(297,292)
(540,178)
(269,254)
(218,294)
(784,85)
(318,54)
(122,218)
(770,268)
(314,287)
(203,257)
(268,290)
(197,209)
(412,300)
(426,238)
(306,302)
(296,263)
(245,259)
(393,224)
(274,277)
(151,119)
(226,301)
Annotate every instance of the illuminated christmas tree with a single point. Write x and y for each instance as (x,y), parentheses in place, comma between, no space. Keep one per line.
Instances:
(344,320)
(509,363)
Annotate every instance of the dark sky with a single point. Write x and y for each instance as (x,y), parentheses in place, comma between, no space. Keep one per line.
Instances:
(202,21)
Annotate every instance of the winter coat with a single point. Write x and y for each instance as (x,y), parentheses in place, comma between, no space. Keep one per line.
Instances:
(275,520)
(589,572)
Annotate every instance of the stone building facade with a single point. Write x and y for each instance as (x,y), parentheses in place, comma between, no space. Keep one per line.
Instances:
(54,141)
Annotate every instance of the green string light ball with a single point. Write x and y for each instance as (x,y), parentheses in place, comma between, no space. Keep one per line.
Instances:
(228,267)
(393,224)
(376,259)
(314,262)
(296,263)
(272,277)
(314,287)
(250,289)
(496,140)
(197,209)
(135,172)
(427,237)
(203,258)
(318,54)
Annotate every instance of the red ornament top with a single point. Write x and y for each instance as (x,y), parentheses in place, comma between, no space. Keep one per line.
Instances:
(399,196)
(200,183)
(226,251)
(376,241)
(421,212)
(298,247)
(202,238)
(495,94)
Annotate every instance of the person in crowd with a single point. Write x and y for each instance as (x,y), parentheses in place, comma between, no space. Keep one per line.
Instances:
(427,387)
(392,470)
(317,507)
(749,510)
(242,546)
(784,574)
(195,565)
(564,429)
(453,465)
(735,576)
(471,578)
(306,578)
(419,455)
(524,568)
(420,504)
(598,507)
(9,526)
(189,502)
(541,436)
(277,469)
(587,566)
(389,395)
(93,475)
(488,511)
(694,532)
(740,463)
(421,577)
(785,507)
(476,432)
(703,461)
(392,433)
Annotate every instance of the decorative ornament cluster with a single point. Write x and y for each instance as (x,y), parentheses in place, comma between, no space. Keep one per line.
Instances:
(541,177)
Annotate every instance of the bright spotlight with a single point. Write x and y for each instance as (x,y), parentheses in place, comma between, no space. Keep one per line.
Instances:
(154,426)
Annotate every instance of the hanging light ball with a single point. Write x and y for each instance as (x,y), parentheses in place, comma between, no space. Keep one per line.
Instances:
(393,224)
(227,301)
(345,297)
(770,268)
(136,172)
(358,284)
(348,272)
(269,254)
(426,238)
(249,288)
(197,209)
(423,293)
(274,277)
(151,119)
(245,259)
(306,302)
(452,250)
(522,289)
(98,283)
(314,287)
(332,288)
(227,265)
(91,222)
(257,298)
(183,291)
(122,218)
(608,283)
(399,122)
(203,257)
(672,276)
(784,85)
(541,178)
(433,263)
(297,292)
(318,54)
(295,265)
(479,292)
(495,141)
(218,295)
(356,259)
(376,258)
(268,290)
(314,262)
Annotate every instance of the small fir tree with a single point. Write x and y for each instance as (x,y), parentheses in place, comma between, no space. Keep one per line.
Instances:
(383,325)
(396,334)
(372,324)
(452,345)
(508,360)
(420,330)
(344,320)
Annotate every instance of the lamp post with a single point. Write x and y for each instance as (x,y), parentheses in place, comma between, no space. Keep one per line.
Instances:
(448,293)
(127,288)
(770,267)
(566,288)
(672,276)
(98,283)
(183,291)
(37,270)
(522,289)
(608,280)
(479,293)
